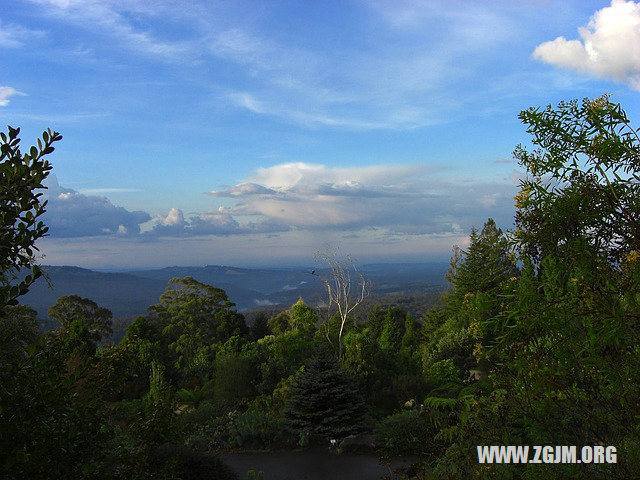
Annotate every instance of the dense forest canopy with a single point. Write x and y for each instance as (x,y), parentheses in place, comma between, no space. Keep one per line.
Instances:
(535,343)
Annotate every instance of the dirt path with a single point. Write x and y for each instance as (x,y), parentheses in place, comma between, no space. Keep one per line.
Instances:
(314,464)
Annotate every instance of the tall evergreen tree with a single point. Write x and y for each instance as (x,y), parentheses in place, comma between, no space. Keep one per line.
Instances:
(483,267)
(324,400)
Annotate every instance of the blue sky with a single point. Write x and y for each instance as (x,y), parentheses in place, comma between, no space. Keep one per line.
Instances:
(250,133)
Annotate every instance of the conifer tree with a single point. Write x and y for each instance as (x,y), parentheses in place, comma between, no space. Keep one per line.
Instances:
(324,400)
(484,266)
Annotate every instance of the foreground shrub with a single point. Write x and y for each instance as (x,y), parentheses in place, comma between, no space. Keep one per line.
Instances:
(252,428)
(257,429)
(407,432)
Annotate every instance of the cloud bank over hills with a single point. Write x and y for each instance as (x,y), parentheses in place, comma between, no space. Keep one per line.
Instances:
(402,199)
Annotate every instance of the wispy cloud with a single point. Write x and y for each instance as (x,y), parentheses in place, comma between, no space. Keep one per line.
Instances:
(248,101)
(503,161)
(470,25)
(110,18)
(14,36)
(415,54)
(6,93)
(58,117)
(609,46)
(102,191)
(402,81)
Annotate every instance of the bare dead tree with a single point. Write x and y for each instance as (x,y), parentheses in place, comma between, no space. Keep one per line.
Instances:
(345,285)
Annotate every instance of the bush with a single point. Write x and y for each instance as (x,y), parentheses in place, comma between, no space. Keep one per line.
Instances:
(252,428)
(204,413)
(407,432)
(257,429)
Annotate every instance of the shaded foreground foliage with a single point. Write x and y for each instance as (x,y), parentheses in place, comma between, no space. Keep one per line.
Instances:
(21,175)
(561,340)
(535,343)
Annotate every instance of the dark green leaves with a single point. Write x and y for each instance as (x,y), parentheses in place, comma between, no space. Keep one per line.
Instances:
(20,208)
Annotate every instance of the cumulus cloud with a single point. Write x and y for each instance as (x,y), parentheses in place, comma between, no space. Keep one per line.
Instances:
(219,222)
(5,93)
(72,214)
(609,46)
(404,199)
(301,176)
(243,189)
(175,218)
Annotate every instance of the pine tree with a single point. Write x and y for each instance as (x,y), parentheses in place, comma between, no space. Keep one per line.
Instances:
(324,400)
(477,276)
(485,265)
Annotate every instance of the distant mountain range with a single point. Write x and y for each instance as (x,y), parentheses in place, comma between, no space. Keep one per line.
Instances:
(130,293)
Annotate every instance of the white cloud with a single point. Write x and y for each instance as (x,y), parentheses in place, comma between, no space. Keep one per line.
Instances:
(503,160)
(306,176)
(175,217)
(72,214)
(400,198)
(248,101)
(489,200)
(401,80)
(243,189)
(14,36)
(239,45)
(219,222)
(8,39)
(264,303)
(98,191)
(609,46)
(474,26)
(398,80)
(6,93)
(516,177)
(110,17)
